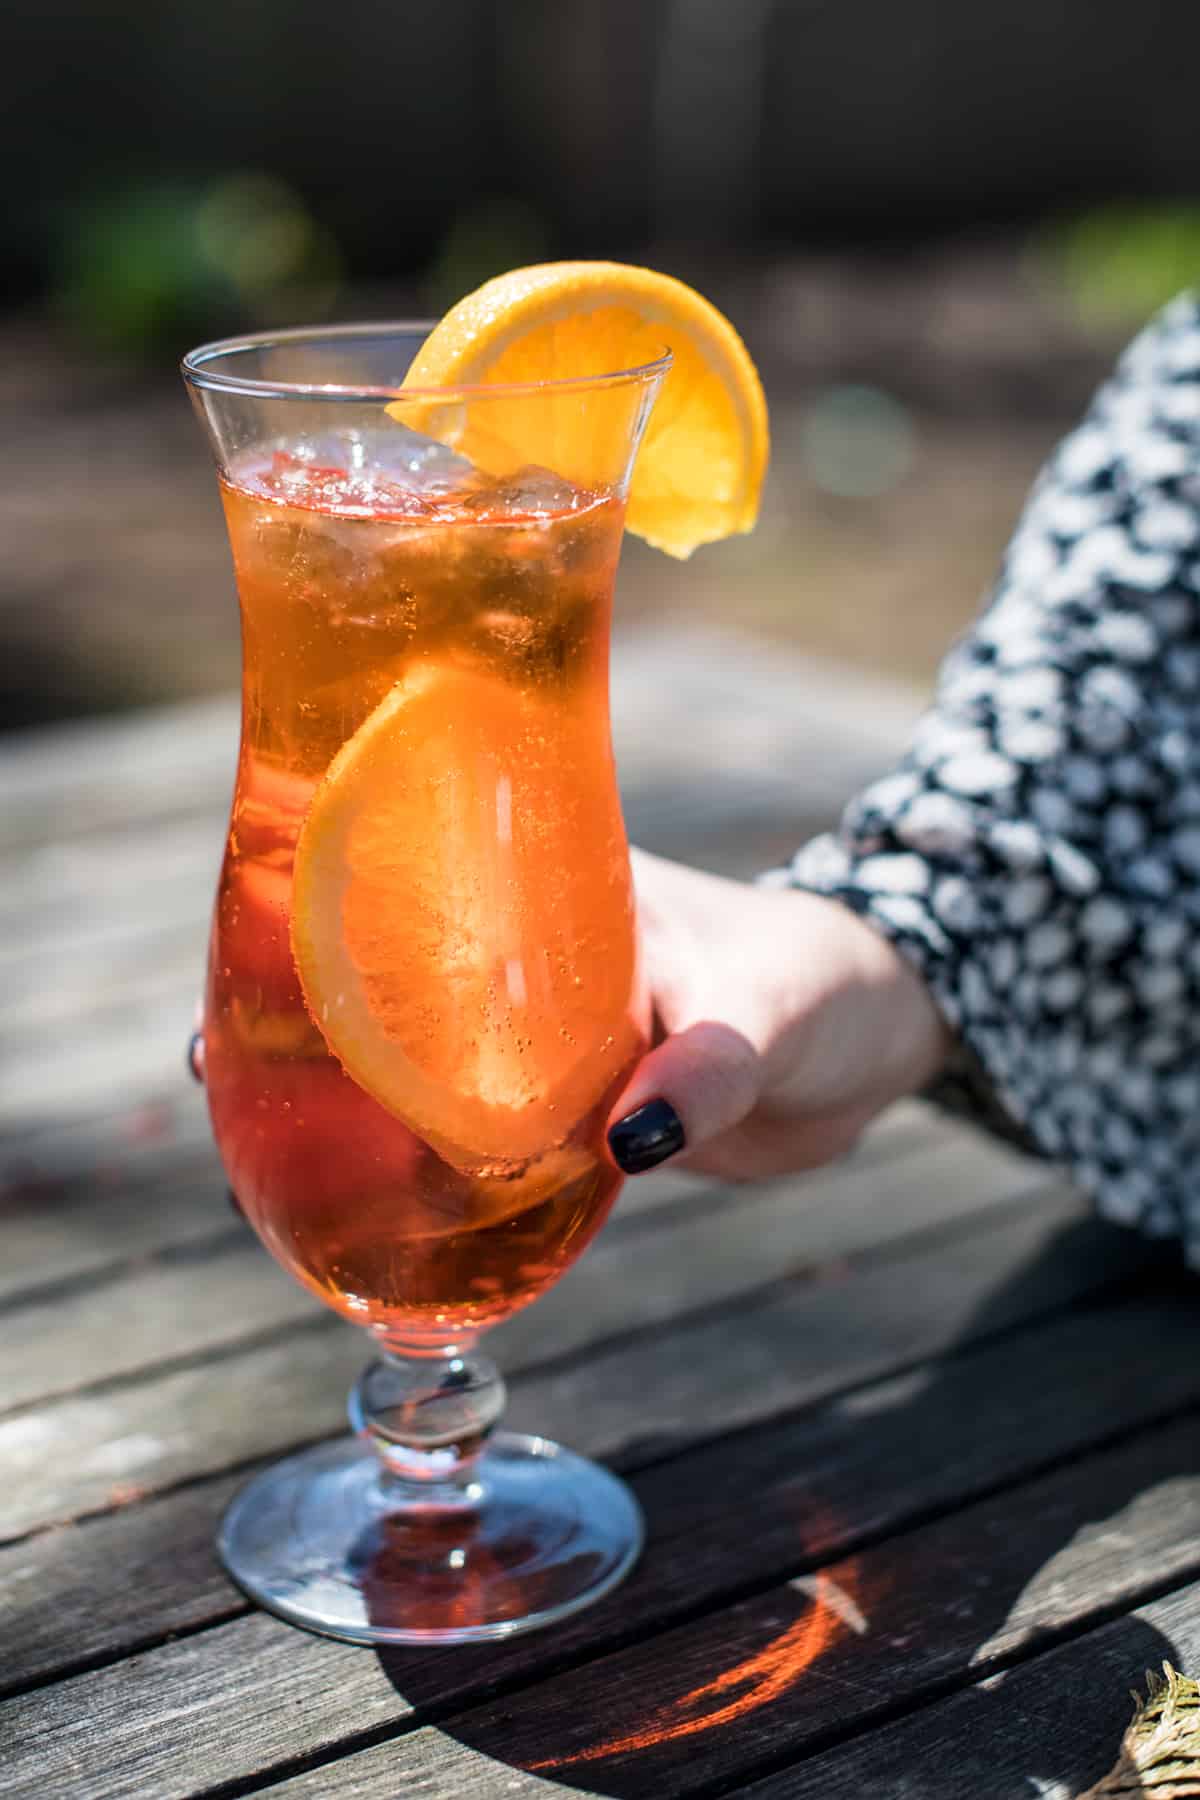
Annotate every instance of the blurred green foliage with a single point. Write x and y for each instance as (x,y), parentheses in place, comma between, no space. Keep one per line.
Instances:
(856,442)
(145,264)
(1116,264)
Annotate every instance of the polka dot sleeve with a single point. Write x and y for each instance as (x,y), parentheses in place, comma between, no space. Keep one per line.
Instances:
(1037,854)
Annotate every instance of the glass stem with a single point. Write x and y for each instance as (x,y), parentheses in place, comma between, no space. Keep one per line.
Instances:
(428,1416)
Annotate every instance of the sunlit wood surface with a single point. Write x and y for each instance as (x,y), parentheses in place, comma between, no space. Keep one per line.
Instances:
(918,1443)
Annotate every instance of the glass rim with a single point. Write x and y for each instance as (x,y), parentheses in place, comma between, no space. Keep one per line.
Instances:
(198,373)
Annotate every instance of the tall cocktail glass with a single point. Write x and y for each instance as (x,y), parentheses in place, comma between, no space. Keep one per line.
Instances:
(425,589)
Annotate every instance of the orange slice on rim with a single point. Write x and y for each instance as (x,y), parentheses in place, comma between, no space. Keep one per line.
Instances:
(700,471)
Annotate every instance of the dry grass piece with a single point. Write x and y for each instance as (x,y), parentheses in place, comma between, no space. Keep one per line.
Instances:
(1160,1752)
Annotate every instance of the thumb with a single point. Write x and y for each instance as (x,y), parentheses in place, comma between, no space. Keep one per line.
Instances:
(696,1084)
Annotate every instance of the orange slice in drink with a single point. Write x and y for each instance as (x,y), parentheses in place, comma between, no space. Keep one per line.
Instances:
(470,972)
(700,471)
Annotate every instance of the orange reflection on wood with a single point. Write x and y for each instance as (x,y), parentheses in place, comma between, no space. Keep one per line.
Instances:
(753,1682)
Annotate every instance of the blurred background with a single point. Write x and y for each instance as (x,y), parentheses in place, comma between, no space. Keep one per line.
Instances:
(933,223)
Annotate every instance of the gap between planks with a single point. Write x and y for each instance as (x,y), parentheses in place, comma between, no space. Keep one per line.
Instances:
(146,1572)
(772,717)
(880,1652)
(1050,1725)
(1052,1582)
(795,1345)
(210,1297)
(130,1203)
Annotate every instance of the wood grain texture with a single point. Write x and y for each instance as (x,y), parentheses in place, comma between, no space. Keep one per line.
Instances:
(818,1483)
(129,1141)
(804,731)
(1051,1727)
(796,1342)
(222,1289)
(110,834)
(832,1652)
(51,889)
(104,1448)
(130,1185)
(58,1233)
(67,1210)
(701,1703)
(214,1293)
(103,1588)
(104,976)
(893,1427)
(78,779)
(129,1058)
(170,1721)
(807,1339)
(753,1236)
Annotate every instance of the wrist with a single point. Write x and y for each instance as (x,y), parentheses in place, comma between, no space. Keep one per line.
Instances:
(914,1043)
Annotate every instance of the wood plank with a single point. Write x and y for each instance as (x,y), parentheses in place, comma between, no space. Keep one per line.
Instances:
(80,1202)
(196,1299)
(124,949)
(909,1127)
(795,1344)
(123,918)
(66,1076)
(56,893)
(68,901)
(755,1236)
(889,1455)
(56,1234)
(706,1702)
(808,1339)
(50,888)
(93,1019)
(114,951)
(79,778)
(1050,1728)
(100,1449)
(167,1723)
(222,1290)
(120,964)
(140,1134)
(97,1590)
(807,729)
(690,1708)
(90,1013)
(94,817)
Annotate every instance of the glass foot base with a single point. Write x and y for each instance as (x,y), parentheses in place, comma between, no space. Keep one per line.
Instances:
(322,1540)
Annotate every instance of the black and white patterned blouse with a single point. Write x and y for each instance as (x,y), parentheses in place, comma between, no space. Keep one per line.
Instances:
(1037,853)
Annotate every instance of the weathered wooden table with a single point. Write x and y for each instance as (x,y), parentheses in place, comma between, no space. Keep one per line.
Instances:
(918,1443)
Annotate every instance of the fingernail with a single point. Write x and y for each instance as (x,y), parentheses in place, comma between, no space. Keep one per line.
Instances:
(646,1137)
(195,1056)
(235,1203)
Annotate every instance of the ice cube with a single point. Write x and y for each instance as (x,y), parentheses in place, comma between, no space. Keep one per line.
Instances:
(530,492)
(294,545)
(396,472)
(402,454)
(393,451)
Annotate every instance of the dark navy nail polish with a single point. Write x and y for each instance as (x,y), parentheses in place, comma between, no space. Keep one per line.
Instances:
(646,1137)
(195,1056)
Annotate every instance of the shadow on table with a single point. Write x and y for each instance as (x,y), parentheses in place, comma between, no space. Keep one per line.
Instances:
(815,1660)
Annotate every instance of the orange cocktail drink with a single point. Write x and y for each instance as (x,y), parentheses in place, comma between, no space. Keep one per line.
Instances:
(504,961)
(424,994)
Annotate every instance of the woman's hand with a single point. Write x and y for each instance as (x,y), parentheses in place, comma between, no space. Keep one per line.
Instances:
(784,1022)
(784,1025)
